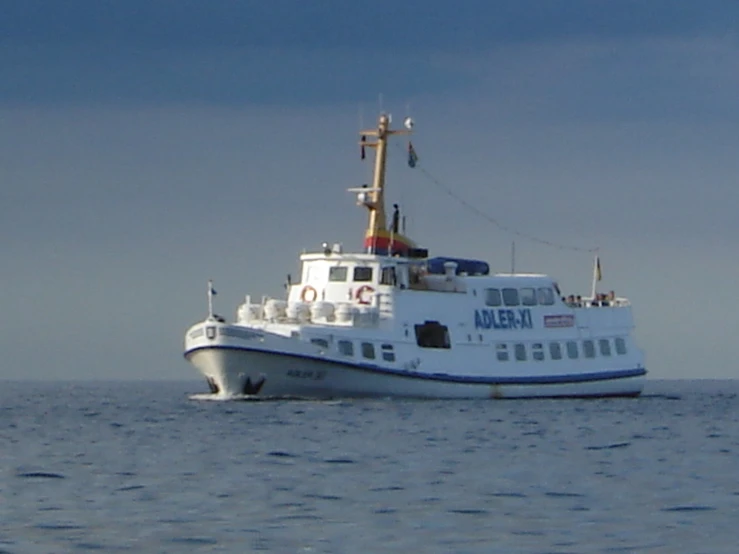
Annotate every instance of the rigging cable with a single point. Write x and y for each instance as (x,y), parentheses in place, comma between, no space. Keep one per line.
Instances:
(448,191)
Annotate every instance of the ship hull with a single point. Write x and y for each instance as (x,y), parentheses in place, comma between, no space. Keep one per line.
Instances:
(234,372)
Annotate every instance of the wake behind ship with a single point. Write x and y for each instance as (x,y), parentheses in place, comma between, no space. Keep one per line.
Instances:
(390,321)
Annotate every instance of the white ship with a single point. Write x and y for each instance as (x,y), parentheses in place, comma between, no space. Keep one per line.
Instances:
(390,321)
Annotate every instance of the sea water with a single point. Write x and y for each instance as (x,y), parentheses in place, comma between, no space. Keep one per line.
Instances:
(141,467)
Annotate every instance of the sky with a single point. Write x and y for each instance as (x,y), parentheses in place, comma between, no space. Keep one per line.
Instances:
(147,146)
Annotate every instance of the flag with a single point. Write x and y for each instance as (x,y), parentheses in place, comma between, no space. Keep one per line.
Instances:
(412,156)
(598,273)
(361,151)
(211,290)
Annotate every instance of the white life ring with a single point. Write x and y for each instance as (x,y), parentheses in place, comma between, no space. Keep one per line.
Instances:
(362,297)
(308,294)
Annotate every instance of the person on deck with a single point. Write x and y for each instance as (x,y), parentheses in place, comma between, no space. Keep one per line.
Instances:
(396,219)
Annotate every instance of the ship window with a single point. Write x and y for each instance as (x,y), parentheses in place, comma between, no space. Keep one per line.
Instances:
(388,276)
(546,296)
(363,274)
(387,353)
(572,350)
(501,351)
(368,350)
(520,350)
(588,348)
(432,335)
(510,297)
(320,342)
(605,347)
(337,274)
(346,347)
(555,351)
(528,297)
(492,297)
(620,346)
(537,351)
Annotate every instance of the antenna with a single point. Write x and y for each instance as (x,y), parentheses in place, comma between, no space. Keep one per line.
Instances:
(513,257)
(379,101)
(211,294)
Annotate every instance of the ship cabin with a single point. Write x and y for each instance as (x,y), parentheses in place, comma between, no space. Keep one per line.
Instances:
(332,276)
(362,289)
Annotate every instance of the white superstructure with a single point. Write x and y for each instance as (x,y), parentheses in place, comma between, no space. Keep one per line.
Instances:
(391,321)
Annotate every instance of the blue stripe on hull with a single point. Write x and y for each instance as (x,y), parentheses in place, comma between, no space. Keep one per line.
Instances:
(519,380)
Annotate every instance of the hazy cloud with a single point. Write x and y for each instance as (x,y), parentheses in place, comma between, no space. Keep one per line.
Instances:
(166,51)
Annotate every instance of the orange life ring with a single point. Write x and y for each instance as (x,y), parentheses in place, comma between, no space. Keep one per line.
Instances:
(360,296)
(309,294)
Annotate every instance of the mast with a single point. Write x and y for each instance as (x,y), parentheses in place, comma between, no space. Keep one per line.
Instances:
(377,216)
(376,205)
